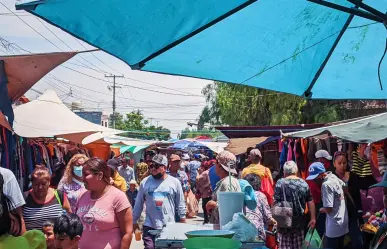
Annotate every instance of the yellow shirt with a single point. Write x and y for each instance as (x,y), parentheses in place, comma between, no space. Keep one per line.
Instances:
(32,239)
(119,182)
(258,170)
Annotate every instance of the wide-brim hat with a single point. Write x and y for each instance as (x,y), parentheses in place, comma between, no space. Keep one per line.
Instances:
(133,182)
(228,161)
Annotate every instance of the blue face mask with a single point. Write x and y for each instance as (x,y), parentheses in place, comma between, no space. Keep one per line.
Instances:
(78,171)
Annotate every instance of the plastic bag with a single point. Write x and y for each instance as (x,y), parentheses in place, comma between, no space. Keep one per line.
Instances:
(244,230)
(192,203)
(312,240)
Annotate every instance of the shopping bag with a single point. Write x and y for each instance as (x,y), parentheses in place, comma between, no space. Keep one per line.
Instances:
(192,203)
(312,240)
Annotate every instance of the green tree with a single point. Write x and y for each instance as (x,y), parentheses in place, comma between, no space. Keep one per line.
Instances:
(192,133)
(137,126)
(231,104)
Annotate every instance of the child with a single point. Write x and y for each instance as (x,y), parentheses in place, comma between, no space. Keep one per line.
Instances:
(48,230)
(68,230)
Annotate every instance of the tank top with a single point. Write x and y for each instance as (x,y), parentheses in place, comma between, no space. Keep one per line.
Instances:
(36,214)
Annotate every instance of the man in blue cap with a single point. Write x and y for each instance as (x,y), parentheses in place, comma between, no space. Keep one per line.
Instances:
(333,205)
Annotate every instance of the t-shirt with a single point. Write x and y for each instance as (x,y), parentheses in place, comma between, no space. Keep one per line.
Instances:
(73,190)
(101,228)
(193,167)
(223,186)
(333,197)
(127,173)
(12,188)
(35,214)
(162,198)
(258,170)
(296,191)
(183,178)
(214,178)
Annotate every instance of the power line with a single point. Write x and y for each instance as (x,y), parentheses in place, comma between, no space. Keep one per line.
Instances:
(101,70)
(150,102)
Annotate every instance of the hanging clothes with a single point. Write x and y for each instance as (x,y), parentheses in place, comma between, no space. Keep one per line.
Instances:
(361,172)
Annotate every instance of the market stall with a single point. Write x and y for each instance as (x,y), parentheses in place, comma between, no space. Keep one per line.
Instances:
(173,235)
(47,116)
(198,145)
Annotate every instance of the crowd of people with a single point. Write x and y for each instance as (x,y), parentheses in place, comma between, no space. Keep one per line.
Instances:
(100,204)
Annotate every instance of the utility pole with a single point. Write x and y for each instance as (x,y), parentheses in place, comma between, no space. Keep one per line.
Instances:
(114,95)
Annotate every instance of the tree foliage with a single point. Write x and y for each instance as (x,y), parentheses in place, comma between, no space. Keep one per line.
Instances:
(193,133)
(237,105)
(137,126)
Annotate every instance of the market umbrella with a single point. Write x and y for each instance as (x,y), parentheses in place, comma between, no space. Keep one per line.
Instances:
(48,116)
(297,47)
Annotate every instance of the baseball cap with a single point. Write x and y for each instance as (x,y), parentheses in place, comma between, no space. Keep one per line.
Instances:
(160,159)
(186,157)
(113,164)
(315,169)
(174,157)
(323,154)
(255,153)
(228,161)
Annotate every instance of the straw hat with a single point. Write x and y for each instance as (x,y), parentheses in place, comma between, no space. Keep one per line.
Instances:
(228,161)
(133,182)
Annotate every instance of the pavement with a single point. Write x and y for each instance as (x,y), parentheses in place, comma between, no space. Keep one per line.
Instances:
(197,220)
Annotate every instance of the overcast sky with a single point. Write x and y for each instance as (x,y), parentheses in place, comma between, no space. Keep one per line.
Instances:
(171,111)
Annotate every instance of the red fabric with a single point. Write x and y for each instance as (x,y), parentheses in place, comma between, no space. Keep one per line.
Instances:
(267,189)
(315,190)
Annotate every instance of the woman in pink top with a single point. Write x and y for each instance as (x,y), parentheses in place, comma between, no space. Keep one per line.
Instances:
(105,211)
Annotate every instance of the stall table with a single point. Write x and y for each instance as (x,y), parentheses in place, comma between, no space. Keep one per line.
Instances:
(173,235)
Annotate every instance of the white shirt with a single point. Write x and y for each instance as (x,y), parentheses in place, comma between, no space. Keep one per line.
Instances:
(11,188)
(127,173)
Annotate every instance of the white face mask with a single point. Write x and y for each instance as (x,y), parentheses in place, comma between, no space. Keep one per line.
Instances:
(77,170)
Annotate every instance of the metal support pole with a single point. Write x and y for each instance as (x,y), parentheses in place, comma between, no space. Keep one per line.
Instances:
(114,96)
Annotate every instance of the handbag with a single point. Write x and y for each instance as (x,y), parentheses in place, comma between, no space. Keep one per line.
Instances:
(283,212)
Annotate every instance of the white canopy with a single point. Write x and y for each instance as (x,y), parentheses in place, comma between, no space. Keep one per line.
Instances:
(47,116)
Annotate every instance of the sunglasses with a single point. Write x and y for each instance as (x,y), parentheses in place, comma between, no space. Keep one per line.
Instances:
(155,166)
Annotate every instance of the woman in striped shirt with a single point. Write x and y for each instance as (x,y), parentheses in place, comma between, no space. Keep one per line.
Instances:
(43,203)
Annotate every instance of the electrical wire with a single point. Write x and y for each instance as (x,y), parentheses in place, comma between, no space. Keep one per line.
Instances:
(381,60)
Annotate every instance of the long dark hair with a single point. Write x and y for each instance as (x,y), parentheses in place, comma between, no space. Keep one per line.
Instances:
(7,224)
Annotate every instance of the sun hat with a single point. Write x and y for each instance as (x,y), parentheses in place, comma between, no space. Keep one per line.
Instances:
(323,154)
(174,158)
(228,161)
(133,182)
(315,169)
(160,159)
(255,153)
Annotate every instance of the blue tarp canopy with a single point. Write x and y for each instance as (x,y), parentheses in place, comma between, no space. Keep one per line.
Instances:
(367,130)
(282,45)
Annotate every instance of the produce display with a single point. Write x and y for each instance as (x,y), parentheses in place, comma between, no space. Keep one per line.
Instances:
(373,221)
